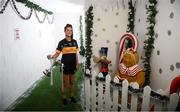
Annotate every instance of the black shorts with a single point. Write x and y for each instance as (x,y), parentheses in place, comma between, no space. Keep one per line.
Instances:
(68,70)
(69,67)
(69,62)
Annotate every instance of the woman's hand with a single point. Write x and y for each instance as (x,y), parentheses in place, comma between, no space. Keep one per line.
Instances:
(49,56)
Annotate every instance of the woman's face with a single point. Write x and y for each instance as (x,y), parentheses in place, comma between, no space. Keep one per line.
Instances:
(68,32)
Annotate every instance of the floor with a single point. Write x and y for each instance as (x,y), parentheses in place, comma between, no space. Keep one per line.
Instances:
(44,97)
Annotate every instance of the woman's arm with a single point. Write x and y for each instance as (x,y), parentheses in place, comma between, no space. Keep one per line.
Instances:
(54,56)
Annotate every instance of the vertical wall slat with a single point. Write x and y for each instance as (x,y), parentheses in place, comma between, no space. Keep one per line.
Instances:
(87,93)
(158,103)
(146,98)
(173,101)
(100,95)
(124,98)
(93,97)
(115,96)
(134,99)
(107,93)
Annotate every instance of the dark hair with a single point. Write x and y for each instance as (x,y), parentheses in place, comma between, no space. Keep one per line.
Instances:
(68,25)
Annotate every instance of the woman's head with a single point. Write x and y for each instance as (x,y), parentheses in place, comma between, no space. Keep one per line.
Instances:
(68,29)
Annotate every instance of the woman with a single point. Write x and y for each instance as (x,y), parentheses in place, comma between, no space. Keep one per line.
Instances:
(68,47)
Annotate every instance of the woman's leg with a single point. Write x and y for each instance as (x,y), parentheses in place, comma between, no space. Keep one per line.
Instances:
(71,81)
(64,87)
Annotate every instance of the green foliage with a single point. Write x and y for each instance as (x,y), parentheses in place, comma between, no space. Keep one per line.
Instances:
(130,26)
(149,41)
(89,31)
(31,5)
(82,49)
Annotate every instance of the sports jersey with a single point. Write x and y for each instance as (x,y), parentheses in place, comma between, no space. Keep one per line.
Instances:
(69,55)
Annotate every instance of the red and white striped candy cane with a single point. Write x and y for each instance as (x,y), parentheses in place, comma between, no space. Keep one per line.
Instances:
(122,44)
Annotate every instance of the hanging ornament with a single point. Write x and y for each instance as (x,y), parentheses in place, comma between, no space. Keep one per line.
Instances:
(40,21)
(123,4)
(2,2)
(3,5)
(126,3)
(146,3)
(13,5)
(52,19)
(134,2)
(112,3)
(120,5)
(117,3)
(101,3)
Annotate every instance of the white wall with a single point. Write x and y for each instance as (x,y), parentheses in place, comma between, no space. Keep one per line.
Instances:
(166,44)
(1,84)
(105,34)
(22,61)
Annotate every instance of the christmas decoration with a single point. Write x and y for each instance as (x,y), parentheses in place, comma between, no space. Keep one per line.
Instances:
(28,4)
(89,31)
(19,14)
(149,41)
(103,61)
(122,46)
(40,21)
(175,85)
(4,6)
(52,19)
(31,5)
(128,67)
(130,26)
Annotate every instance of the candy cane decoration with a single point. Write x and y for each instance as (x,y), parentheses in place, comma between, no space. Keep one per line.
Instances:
(122,44)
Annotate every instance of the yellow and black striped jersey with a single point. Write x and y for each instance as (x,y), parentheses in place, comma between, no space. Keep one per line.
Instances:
(69,52)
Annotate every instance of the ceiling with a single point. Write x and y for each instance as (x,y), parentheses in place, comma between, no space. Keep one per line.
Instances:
(78,6)
(61,6)
(78,2)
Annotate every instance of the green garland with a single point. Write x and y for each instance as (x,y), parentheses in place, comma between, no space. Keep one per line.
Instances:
(82,49)
(89,31)
(19,14)
(4,7)
(130,26)
(31,5)
(149,41)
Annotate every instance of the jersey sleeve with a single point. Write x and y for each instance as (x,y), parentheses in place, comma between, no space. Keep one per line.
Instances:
(76,55)
(76,44)
(59,47)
